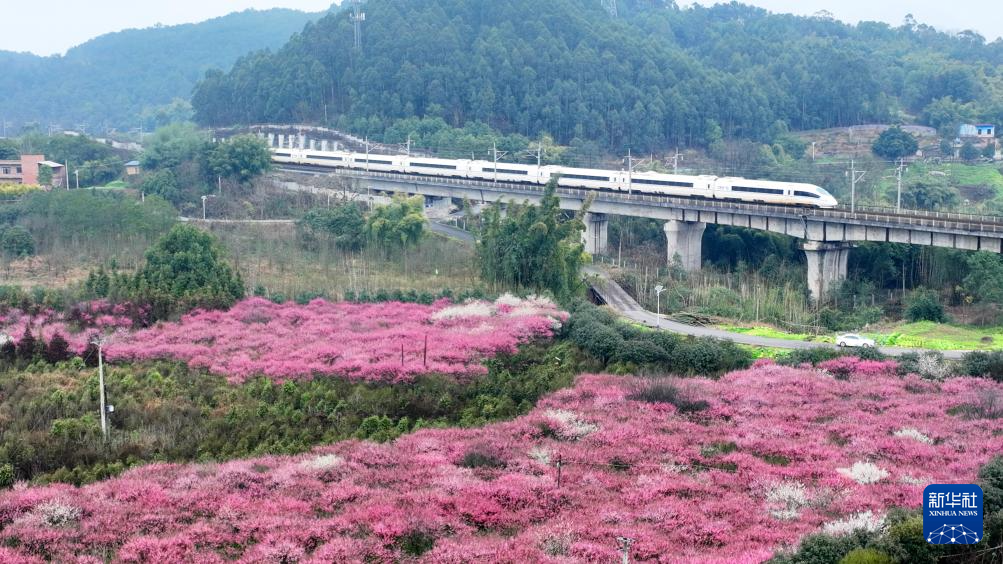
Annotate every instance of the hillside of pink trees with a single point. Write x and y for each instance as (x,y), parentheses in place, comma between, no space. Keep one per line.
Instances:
(775,453)
(388,341)
(78,325)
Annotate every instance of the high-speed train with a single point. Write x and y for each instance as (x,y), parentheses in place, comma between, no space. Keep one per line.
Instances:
(654,183)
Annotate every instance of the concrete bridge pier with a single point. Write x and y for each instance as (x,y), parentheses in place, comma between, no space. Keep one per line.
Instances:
(596,234)
(685,238)
(826,266)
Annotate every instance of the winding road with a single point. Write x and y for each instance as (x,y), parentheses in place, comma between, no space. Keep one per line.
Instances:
(618,299)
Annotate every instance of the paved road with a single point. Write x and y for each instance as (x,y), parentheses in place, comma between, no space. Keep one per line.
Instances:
(450,231)
(618,299)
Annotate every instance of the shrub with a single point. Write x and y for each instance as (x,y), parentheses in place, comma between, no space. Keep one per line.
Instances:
(867,556)
(640,351)
(813,356)
(991,480)
(983,364)
(664,392)
(27,346)
(17,242)
(6,475)
(58,350)
(924,305)
(478,457)
(600,341)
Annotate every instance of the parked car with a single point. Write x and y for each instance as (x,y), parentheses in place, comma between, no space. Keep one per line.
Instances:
(854,340)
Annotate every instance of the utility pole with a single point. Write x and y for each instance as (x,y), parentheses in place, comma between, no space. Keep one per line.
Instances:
(367,154)
(675,161)
(219,180)
(658,305)
(76,172)
(539,154)
(625,543)
(104,409)
(494,150)
(204,198)
(898,201)
(853,184)
(813,151)
(630,173)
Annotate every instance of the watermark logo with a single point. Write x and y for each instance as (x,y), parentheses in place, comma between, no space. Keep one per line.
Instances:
(952,513)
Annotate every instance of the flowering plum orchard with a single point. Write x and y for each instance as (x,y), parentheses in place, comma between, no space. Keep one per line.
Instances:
(730,470)
(388,341)
(78,325)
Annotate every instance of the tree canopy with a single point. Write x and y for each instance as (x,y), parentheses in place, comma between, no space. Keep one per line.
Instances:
(398,225)
(185,268)
(137,76)
(532,246)
(895,143)
(659,75)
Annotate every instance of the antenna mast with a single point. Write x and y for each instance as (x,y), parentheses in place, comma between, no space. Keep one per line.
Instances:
(357,17)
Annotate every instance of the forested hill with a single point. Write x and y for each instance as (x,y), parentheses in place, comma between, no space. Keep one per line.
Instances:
(113,79)
(655,76)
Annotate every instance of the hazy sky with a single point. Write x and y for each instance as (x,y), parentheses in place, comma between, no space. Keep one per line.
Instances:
(57,25)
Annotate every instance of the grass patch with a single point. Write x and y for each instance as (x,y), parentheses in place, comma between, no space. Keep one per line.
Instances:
(919,335)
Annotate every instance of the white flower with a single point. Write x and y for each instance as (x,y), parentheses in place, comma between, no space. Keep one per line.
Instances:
(540,454)
(508,300)
(322,462)
(864,473)
(866,521)
(910,433)
(785,514)
(909,480)
(57,514)
(471,309)
(793,495)
(574,428)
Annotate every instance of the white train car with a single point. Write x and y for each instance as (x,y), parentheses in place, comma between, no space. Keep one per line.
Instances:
(590,178)
(436,167)
(376,163)
(778,193)
(671,184)
(505,172)
(334,159)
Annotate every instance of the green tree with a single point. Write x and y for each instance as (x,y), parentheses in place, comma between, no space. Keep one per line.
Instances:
(969,152)
(45,175)
(184,269)
(241,158)
(928,193)
(895,143)
(533,246)
(162,183)
(17,242)
(398,225)
(923,305)
(9,150)
(985,277)
(344,225)
(172,146)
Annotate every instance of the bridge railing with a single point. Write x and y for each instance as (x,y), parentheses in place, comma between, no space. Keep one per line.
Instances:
(907,218)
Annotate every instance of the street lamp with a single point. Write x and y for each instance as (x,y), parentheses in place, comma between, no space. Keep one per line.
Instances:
(658,305)
(204,198)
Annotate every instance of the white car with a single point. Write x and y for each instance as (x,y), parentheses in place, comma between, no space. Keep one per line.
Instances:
(854,340)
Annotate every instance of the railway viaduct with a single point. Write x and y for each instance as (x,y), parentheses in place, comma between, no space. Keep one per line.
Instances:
(826,235)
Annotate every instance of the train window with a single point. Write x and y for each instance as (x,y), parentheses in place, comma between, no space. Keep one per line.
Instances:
(661,182)
(586,177)
(433,165)
(756,190)
(506,171)
(806,194)
(324,158)
(278,154)
(374,161)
